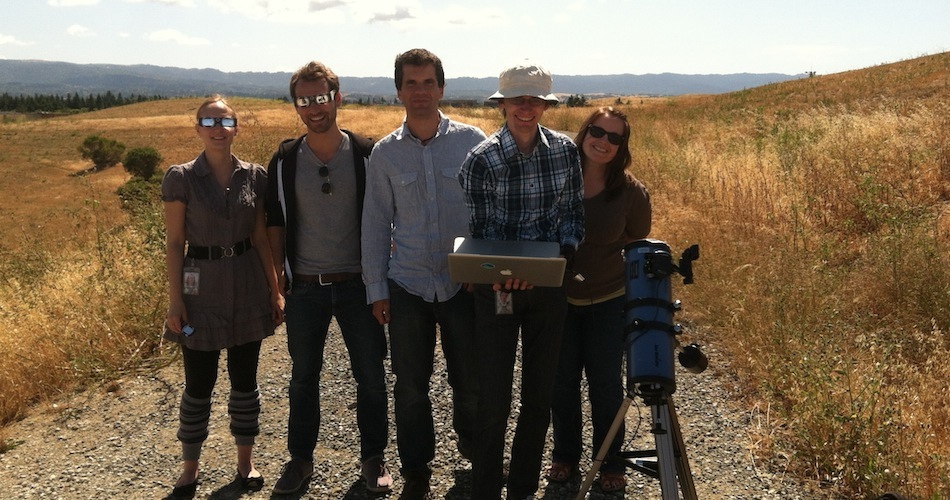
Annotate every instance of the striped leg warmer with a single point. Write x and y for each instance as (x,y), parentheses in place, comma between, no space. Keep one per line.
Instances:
(193,417)
(244,408)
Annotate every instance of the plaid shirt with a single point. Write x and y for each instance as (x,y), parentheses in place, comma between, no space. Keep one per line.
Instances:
(513,196)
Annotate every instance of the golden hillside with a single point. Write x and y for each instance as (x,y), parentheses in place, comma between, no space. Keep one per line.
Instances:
(823,283)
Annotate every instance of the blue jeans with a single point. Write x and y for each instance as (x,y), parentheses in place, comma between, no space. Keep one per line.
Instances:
(412,336)
(539,316)
(308,310)
(593,343)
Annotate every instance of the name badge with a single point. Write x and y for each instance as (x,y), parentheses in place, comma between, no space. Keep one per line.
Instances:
(190,280)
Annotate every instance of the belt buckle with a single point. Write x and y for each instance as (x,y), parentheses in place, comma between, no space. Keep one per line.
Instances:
(322,283)
(227,251)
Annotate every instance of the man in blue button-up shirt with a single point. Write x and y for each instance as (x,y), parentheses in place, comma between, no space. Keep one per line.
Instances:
(412,213)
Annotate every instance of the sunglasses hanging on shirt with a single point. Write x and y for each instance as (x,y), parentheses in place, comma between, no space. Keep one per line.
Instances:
(325,172)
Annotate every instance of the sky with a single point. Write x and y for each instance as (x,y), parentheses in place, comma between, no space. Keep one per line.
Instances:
(479,38)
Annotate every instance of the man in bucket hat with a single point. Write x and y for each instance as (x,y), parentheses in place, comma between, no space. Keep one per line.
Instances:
(523,182)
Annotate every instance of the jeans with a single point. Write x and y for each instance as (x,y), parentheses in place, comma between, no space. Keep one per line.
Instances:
(593,343)
(308,310)
(539,313)
(412,336)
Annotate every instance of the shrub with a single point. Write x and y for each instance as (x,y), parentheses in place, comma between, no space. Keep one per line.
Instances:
(142,162)
(102,151)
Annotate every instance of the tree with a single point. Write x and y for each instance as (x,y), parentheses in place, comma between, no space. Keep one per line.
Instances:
(102,151)
(576,101)
(142,162)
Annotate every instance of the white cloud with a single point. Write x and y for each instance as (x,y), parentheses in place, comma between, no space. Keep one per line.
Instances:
(11,40)
(179,3)
(401,14)
(323,5)
(71,3)
(80,31)
(175,36)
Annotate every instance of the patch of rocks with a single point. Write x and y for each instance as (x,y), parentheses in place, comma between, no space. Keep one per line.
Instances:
(118,441)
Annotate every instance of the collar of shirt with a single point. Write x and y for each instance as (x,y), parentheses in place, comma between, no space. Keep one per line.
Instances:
(509,148)
(404,133)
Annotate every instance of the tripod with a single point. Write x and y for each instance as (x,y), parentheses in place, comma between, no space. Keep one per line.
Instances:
(667,462)
(651,343)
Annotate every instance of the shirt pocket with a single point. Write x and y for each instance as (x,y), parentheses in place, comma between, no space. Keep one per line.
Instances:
(406,189)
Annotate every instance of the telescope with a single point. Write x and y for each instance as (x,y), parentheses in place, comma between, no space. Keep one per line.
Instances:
(650,332)
(651,346)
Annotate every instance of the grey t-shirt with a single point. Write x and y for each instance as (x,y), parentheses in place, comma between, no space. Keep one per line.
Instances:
(328,240)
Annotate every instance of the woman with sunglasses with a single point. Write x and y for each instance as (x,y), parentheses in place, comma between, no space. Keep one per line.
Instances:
(617,211)
(222,288)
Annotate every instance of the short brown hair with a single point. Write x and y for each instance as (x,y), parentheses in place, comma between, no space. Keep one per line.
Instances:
(314,71)
(419,57)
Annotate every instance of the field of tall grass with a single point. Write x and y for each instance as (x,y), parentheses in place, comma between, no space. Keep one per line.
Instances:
(820,207)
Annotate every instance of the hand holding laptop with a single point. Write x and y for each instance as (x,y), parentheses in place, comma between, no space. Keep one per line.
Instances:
(511,265)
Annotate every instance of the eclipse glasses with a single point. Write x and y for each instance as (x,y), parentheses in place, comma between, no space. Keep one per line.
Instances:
(209,121)
(318,99)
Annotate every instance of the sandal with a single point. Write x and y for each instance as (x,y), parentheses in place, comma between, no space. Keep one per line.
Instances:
(612,481)
(250,483)
(560,472)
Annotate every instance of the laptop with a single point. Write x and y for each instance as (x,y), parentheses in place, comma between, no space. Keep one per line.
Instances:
(495,261)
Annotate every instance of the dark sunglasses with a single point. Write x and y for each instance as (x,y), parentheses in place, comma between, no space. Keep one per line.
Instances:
(325,172)
(304,101)
(209,122)
(597,132)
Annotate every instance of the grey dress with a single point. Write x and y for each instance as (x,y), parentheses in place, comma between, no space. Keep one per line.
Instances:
(232,306)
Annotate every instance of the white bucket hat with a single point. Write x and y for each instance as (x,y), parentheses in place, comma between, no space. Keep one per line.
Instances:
(525,80)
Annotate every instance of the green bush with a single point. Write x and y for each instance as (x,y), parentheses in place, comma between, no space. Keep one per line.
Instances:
(102,151)
(142,162)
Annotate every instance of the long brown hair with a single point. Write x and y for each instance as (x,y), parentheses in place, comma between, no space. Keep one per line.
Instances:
(616,176)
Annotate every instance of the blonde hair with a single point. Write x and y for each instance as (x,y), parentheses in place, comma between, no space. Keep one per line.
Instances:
(213,98)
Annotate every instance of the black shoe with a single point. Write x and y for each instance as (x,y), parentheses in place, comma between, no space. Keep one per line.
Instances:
(250,483)
(376,475)
(293,476)
(183,492)
(415,488)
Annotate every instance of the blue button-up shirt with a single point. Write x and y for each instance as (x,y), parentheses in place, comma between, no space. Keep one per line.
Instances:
(414,205)
(513,196)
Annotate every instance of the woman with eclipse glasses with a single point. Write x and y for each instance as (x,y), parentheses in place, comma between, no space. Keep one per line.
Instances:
(222,288)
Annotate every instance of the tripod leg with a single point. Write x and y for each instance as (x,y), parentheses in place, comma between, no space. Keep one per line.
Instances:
(682,463)
(663,435)
(599,459)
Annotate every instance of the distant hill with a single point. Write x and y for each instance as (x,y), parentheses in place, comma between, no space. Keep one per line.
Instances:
(44,77)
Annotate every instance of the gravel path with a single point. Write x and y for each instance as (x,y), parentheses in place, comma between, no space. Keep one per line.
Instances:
(118,441)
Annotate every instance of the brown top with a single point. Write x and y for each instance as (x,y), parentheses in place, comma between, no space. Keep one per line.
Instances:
(232,306)
(608,227)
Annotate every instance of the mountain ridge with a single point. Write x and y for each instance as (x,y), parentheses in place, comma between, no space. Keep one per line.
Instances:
(30,77)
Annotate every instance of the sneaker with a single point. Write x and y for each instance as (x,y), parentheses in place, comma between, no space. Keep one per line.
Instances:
(376,475)
(295,473)
(415,488)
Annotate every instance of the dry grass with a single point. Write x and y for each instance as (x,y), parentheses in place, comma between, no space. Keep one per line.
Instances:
(820,206)
(823,276)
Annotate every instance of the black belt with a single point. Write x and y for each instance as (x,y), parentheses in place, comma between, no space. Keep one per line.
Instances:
(325,279)
(205,253)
